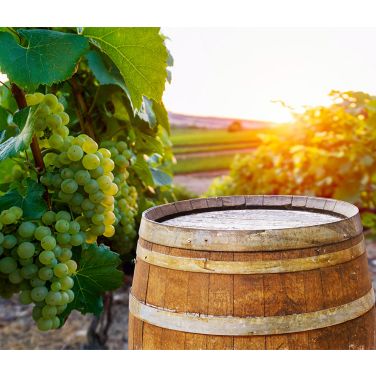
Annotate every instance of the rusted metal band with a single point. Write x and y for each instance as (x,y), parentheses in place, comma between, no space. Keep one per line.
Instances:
(203,265)
(247,326)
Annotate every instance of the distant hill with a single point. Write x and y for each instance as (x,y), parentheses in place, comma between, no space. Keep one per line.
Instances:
(184,121)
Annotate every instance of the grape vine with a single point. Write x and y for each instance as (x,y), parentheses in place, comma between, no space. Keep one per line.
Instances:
(84,149)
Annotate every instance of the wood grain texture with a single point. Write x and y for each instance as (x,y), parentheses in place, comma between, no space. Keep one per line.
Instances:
(225,239)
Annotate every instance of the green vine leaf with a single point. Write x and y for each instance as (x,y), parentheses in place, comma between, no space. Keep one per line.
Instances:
(104,70)
(28,196)
(140,55)
(96,274)
(24,119)
(141,168)
(49,57)
(160,177)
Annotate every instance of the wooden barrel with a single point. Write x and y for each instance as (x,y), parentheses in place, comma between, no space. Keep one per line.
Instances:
(252,272)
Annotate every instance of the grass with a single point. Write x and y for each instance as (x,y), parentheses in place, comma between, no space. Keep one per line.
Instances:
(197,164)
(190,137)
(193,140)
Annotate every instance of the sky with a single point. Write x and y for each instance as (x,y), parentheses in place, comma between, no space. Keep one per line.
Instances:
(239,72)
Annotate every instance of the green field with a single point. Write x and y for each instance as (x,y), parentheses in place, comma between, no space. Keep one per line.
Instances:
(187,166)
(194,137)
(192,140)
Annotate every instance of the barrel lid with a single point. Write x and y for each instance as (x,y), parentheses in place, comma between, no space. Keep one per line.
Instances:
(251,223)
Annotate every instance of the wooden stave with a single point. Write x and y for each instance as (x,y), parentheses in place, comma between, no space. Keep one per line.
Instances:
(251,240)
(149,336)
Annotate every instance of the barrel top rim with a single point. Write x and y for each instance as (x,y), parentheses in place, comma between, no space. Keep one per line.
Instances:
(154,230)
(341,209)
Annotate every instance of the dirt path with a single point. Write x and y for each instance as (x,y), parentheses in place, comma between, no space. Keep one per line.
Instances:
(198,182)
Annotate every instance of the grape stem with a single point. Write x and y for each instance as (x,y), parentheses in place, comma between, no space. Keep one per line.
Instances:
(83,113)
(20,98)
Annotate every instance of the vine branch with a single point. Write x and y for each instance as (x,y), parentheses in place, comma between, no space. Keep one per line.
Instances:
(20,98)
(83,113)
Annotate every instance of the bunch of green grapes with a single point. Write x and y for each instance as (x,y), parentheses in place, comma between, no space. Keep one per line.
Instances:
(126,207)
(36,261)
(78,174)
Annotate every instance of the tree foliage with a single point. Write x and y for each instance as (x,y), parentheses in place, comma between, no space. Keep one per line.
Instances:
(327,151)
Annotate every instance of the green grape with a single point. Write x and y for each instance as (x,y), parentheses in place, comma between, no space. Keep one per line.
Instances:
(109,231)
(91,186)
(82,177)
(53,298)
(29,271)
(67,173)
(38,294)
(77,239)
(15,277)
(62,226)
(54,121)
(41,232)
(57,180)
(62,131)
(66,282)
(56,286)
(9,241)
(26,250)
(100,209)
(64,297)
(65,197)
(66,255)
(1,238)
(46,257)
(36,282)
(55,322)
(109,218)
(69,186)
(61,308)
(26,229)
(121,161)
(89,146)
(36,313)
(8,217)
(45,273)
(50,100)
(75,153)
(56,141)
(34,99)
(98,229)
(44,324)
(90,161)
(50,159)
(64,118)
(49,311)
(72,266)
(61,270)
(70,295)
(77,199)
(48,243)
(97,172)
(97,219)
(8,265)
(57,251)
(108,164)
(104,182)
(63,215)
(25,297)
(97,197)
(48,218)
(63,239)
(87,205)
(74,227)
(18,212)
